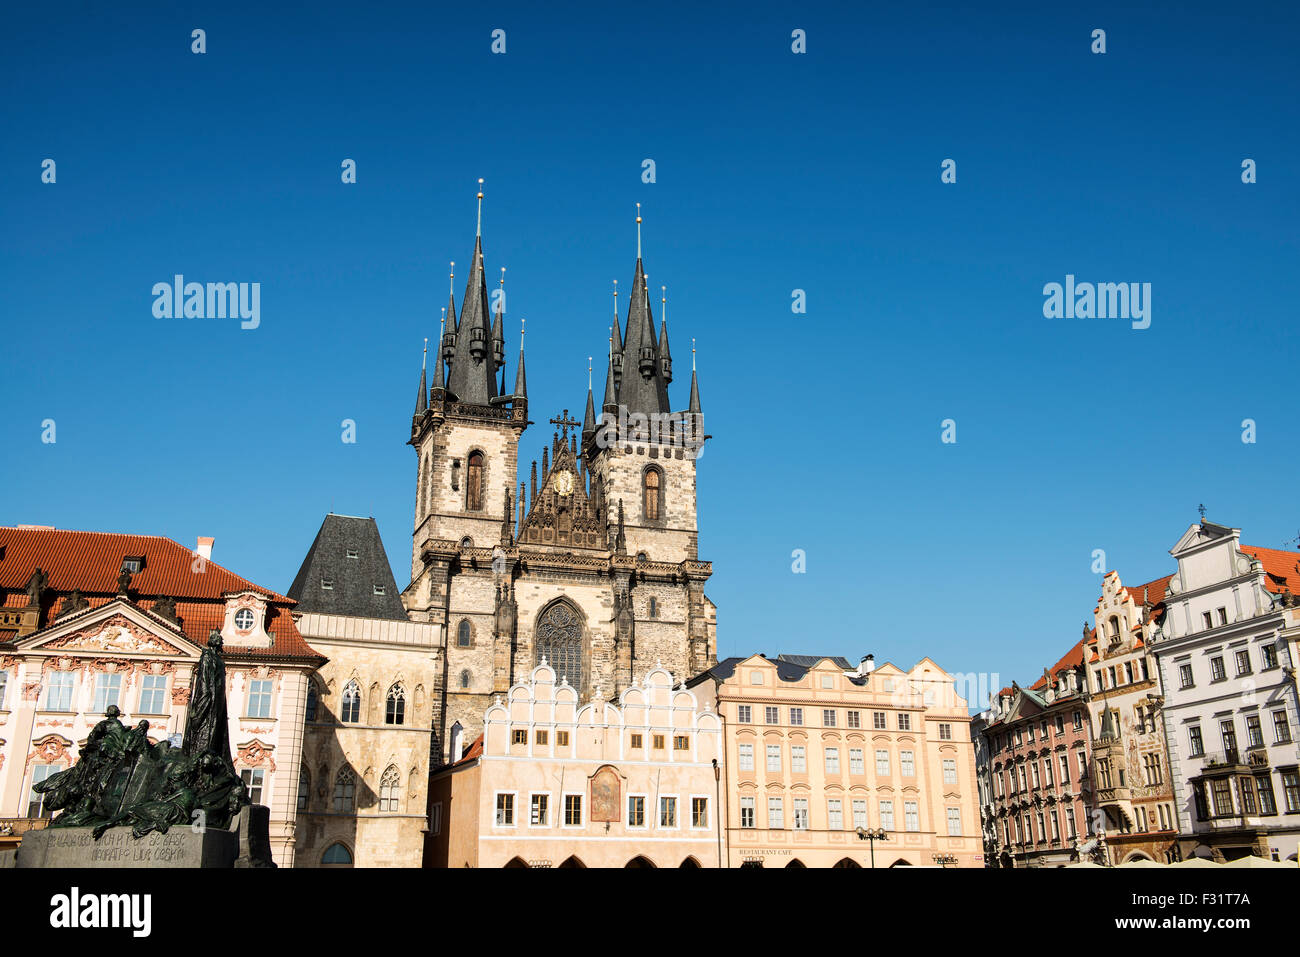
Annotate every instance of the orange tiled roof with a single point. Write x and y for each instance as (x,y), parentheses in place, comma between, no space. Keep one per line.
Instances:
(1281,571)
(1072,659)
(91,562)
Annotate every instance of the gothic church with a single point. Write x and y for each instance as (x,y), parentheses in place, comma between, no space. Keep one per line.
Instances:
(593,562)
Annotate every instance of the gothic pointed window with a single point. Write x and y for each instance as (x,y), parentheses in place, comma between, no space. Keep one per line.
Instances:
(474,482)
(351,703)
(304,788)
(652,504)
(313,700)
(395,711)
(389,786)
(462,634)
(345,791)
(559,640)
(464,679)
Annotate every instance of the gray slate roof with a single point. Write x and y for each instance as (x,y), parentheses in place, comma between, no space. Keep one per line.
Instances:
(353,579)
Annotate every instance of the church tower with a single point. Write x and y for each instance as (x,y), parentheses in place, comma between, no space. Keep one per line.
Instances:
(593,566)
(465,432)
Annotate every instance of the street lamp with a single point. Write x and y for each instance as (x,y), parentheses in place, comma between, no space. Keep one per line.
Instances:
(873,835)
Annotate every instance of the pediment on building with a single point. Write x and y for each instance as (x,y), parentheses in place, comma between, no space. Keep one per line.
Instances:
(1198,536)
(118,627)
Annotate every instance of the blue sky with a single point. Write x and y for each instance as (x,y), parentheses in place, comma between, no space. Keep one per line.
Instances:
(775,172)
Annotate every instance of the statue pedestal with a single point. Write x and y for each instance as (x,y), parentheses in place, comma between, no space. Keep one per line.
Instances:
(246,844)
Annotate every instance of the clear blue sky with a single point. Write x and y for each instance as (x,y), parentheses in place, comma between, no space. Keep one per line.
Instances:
(775,171)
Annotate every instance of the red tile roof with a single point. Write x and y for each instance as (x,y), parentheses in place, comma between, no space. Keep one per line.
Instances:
(1072,659)
(1281,569)
(91,562)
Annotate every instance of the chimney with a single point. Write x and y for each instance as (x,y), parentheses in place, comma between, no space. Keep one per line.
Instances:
(204,548)
(867,665)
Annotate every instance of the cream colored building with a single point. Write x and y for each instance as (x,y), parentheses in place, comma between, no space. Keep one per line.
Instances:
(554,782)
(366,749)
(817,750)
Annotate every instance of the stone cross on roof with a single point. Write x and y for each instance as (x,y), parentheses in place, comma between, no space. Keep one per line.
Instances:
(565,423)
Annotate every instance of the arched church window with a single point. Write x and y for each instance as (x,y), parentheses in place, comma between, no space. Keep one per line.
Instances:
(313,701)
(654,608)
(388,790)
(304,788)
(351,703)
(474,482)
(421,487)
(345,791)
(559,639)
(651,502)
(462,634)
(464,679)
(395,712)
(337,855)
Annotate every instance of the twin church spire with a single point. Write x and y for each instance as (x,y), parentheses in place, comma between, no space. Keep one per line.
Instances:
(471,349)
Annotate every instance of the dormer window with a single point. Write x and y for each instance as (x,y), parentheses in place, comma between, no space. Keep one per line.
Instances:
(353,553)
(133,564)
(379,589)
(327,584)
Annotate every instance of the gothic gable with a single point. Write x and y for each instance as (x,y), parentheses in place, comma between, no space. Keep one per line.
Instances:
(561,512)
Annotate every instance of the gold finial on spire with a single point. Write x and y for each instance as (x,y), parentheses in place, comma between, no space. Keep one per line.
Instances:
(501,302)
(425,363)
(451,281)
(479,231)
(663,303)
(588,373)
(521,335)
(638,230)
(692,354)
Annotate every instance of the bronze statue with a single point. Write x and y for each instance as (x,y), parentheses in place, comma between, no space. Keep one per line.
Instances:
(122,779)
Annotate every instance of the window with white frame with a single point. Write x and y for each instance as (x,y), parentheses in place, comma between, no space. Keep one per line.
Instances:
(907,764)
(667,811)
(58,694)
(879,720)
(801,814)
(744,713)
(904,721)
(859,813)
(108,689)
(774,757)
(153,694)
(36,802)
(798,759)
(747,812)
(887,815)
(911,815)
(832,760)
(539,810)
(945,731)
(796,716)
(856,763)
(835,814)
(573,810)
(828,717)
(772,715)
(699,812)
(950,770)
(746,757)
(253,779)
(259,698)
(775,814)
(882,763)
(390,790)
(505,810)
(636,810)
(954,821)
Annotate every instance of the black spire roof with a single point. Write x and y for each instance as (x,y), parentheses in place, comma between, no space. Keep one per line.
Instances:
(472,378)
(642,388)
(422,400)
(330,582)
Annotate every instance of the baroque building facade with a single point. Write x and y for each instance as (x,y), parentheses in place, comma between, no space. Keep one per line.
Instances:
(592,561)
(819,752)
(93,620)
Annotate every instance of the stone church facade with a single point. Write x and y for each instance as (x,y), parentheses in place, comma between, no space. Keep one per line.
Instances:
(592,561)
